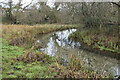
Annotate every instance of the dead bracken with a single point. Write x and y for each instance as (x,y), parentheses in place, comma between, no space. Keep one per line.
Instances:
(28,57)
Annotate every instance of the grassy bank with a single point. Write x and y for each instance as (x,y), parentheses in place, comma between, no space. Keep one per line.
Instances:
(104,39)
(21,60)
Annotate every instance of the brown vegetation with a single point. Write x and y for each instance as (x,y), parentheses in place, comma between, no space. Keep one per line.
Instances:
(30,56)
(25,35)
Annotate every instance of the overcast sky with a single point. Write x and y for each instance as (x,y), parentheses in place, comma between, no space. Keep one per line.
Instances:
(25,2)
(51,2)
(15,1)
(28,1)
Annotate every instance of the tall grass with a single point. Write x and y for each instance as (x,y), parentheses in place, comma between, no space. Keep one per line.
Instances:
(25,35)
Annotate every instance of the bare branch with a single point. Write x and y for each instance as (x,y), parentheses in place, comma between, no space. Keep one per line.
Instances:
(3,3)
(116,4)
(28,5)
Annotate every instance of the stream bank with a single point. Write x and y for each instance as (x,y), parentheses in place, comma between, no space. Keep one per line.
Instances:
(58,44)
(64,48)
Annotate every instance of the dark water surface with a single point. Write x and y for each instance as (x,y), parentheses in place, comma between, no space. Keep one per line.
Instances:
(57,44)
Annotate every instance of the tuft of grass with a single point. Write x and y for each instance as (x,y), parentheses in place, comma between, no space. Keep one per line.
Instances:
(32,56)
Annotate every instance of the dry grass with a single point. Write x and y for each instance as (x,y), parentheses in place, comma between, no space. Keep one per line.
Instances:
(44,28)
(25,35)
(73,70)
(31,56)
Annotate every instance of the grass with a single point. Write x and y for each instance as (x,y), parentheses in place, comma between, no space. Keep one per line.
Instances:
(20,68)
(102,39)
(18,52)
(25,35)
(22,65)
(21,60)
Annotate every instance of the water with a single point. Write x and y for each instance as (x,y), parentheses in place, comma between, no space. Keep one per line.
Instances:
(57,44)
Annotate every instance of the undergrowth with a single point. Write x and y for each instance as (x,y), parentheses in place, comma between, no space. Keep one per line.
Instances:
(103,39)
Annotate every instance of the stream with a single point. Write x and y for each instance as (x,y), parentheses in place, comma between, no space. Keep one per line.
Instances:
(57,44)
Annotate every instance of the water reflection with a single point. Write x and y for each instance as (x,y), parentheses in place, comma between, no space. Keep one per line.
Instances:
(58,44)
(62,38)
(50,49)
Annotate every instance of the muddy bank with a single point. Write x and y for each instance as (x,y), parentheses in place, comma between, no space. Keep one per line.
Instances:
(98,51)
